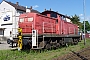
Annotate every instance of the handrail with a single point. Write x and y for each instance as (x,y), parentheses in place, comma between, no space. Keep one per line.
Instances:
(47,27)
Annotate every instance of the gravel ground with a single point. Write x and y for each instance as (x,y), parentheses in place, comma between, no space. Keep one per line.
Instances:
(5,46)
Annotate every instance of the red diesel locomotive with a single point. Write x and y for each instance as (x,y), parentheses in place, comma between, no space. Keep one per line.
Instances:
(46,30)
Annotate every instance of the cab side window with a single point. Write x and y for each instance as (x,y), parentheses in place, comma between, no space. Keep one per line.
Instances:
(53,15)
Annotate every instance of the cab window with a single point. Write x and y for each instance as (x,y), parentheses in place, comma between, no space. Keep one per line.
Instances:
(53,15)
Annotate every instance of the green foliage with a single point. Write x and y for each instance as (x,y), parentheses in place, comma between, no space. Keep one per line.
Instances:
(76,20)
(87,26)
(43,55)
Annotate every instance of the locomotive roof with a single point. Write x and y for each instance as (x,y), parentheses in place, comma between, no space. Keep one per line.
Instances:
(47,11)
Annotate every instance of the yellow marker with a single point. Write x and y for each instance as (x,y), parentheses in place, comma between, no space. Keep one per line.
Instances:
(20,38)
(20,31)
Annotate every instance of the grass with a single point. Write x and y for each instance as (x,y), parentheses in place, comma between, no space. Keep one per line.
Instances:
(44,55)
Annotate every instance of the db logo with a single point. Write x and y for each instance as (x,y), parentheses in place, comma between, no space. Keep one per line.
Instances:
(6,18)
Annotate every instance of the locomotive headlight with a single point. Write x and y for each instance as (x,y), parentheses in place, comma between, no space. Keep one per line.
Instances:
(30,19)
(33,33)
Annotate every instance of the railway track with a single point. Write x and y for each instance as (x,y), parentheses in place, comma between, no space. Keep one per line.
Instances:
(80,55)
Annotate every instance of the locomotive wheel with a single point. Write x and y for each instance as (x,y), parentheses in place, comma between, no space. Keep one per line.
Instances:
(72,43)
(75,42)
(62,42)
(41,44)
(58,45)
(54,47)
(66,44)
(48,46)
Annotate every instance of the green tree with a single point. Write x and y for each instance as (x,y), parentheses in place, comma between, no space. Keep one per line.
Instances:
(76,20)
(87,26)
